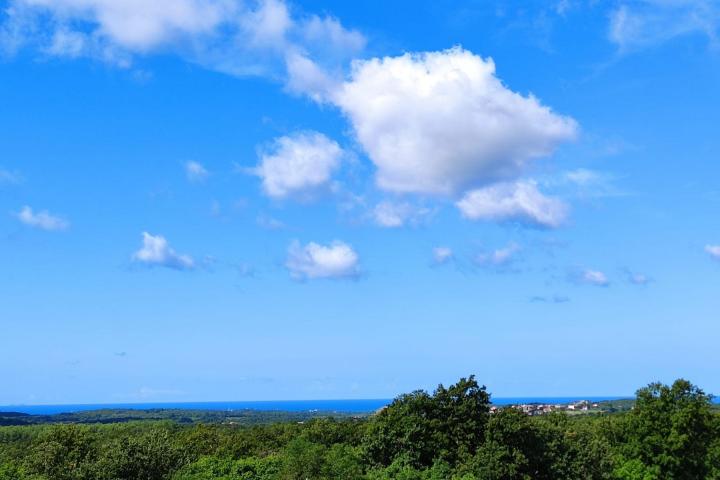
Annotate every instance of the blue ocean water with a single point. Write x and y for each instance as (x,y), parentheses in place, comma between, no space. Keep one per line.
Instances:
(344,406)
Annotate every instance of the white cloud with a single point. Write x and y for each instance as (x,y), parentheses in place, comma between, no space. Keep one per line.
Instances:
(641,24)
(582,176)
(388,214)
(316,69)
(43,219)
(156,251)
(110,31)
(393,215)
(591,277)
(498,258)
(67,44)
(195,172)
(713,251)
(237,37)
(519,201)
(639,279)
(595,277)
(442,255)
(442,122)
(337,260)
(590,183)
(298,165)
(436,122)
(138,25)
(269,24)
(327,33)
(308,78)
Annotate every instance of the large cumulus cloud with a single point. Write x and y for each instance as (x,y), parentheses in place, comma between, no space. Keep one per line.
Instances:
(443,122)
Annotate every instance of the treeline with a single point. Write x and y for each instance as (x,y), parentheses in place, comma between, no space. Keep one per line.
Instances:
(182,416)
(671,433)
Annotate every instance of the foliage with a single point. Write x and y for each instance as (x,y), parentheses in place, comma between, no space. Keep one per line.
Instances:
(214,468)
(149,456)
(669,433)
(672,433)
(235,417)
(64,452)
(420,428)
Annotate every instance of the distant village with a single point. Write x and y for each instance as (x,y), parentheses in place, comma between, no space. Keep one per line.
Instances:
(534,409)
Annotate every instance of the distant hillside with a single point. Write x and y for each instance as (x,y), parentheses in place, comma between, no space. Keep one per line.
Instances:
(239,417)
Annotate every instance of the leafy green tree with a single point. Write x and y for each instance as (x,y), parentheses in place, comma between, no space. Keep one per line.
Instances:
(421,428)
(328,431)
(512,449)
(397,470)
(576,448)
(343,462)
(153,455)
(303,460)
(713,458)
(463,411)
(668,434)
(552,447)
(213,468)
(400,470)
(202,439)
(9,471)
(671,434)
(635,469)
(64,452)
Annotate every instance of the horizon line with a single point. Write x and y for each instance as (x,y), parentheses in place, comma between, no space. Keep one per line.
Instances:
(160,402)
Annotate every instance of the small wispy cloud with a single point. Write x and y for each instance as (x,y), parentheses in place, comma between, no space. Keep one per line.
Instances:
(156,252)
(259,38)
(42,219)
(500,258)
(311,261)
(245,270)
(646,23)
(713,251)
(584,276)
(398,214)
(582,176)
(196,172)
(442,255)
(636,278)
(520,202)
(298,165)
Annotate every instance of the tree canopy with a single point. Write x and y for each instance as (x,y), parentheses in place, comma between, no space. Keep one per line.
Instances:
(672,433)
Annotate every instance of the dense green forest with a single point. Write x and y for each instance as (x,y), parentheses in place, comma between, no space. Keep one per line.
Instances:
(671,433)
(182,416)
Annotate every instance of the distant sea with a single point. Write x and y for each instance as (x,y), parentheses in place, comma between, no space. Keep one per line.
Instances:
(343,406)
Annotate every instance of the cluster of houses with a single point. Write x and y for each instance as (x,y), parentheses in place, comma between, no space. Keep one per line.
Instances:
(534,409)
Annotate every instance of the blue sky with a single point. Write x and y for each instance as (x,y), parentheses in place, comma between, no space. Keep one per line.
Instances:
(226,200)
